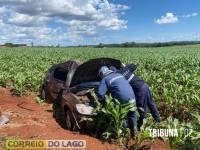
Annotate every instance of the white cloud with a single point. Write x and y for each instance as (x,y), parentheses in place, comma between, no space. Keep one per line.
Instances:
(169,18)
(113,24)
(39,35)
(190,15)
(2,10)
(77,18)
(26,20)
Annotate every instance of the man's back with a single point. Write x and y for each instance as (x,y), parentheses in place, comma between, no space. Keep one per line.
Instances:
(135,81)
(120,89)
(118,86)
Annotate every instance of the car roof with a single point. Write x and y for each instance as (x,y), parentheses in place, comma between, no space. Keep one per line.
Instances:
(66,65)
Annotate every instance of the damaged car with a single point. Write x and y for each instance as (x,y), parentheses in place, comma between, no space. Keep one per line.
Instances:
(69,83)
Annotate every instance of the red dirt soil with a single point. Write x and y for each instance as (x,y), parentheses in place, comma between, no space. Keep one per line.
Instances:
(29,120)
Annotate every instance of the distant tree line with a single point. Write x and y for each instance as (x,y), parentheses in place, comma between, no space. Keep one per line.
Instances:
(125,44)
(159,44)
(9,44)
(14,45)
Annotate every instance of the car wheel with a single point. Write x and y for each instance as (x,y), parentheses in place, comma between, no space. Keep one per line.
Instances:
(42,92)
(70,122)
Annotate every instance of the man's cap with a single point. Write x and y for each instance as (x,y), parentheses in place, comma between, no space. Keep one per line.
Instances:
(113,68)
(103,71)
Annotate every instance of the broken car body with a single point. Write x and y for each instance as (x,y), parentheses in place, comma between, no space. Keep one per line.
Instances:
(69,82)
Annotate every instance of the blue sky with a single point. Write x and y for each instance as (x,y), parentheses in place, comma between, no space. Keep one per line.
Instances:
(75,22)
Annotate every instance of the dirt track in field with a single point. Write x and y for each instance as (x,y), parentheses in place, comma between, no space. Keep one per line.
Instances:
(29,120)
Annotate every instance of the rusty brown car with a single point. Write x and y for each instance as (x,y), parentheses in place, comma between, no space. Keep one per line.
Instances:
(69,82)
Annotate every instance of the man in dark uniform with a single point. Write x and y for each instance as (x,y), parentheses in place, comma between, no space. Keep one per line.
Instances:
(142,92)
(120,89)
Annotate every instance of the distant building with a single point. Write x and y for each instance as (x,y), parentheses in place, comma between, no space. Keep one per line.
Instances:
(15,45)
(2,46)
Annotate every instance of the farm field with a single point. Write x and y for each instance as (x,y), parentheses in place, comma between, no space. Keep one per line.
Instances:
(173,73)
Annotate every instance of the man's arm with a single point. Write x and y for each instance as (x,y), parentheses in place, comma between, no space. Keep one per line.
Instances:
(131,68)
(102,89)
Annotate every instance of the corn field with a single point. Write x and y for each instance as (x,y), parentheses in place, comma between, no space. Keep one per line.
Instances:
(173,73)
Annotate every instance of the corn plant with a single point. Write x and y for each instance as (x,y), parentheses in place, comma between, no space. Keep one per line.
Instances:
(188,135)
(173,73)
(144,134)
(111,120)
(193,131)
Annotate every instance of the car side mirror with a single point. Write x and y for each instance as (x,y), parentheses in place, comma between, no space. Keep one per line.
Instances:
(60,86)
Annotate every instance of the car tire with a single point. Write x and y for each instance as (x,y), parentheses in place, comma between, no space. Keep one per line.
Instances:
(42,92)
(70,121)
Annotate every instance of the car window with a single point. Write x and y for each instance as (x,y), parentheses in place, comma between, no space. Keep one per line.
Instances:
(60,74)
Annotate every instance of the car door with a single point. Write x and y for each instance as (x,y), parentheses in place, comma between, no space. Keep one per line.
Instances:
(57,80)
(56,83)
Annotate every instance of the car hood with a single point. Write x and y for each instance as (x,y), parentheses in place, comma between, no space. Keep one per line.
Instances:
(88,71)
